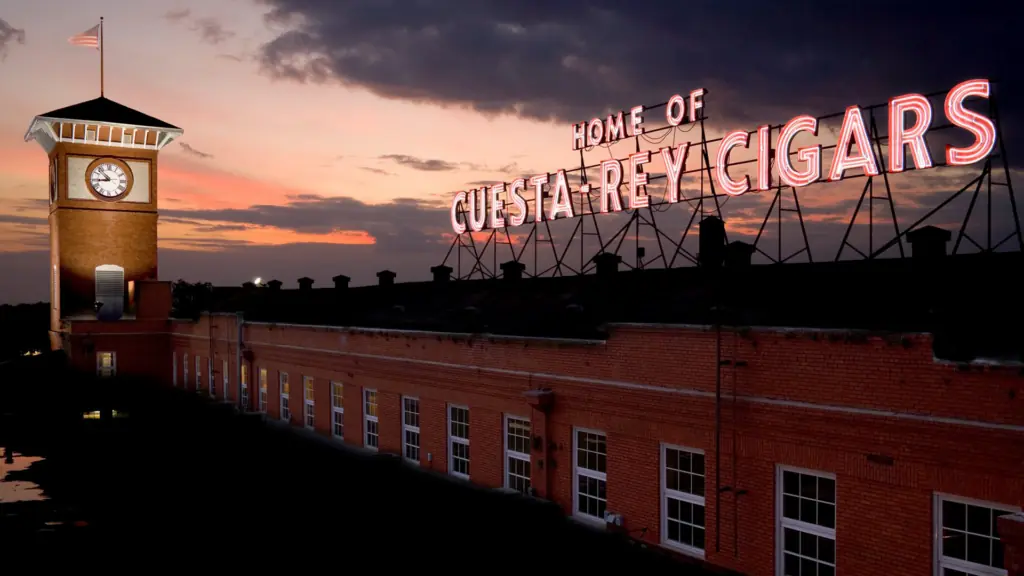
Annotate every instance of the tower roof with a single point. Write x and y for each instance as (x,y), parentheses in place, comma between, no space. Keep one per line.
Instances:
(106,110)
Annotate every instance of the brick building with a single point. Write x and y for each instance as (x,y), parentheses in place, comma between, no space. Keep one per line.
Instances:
(842,418)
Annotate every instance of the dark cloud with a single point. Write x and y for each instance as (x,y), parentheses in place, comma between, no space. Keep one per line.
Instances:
(193,152)
(403,223)
(177,15)
(211,30)
(25,220)
(425,165)
(9,35)
(376,170)
(572,59)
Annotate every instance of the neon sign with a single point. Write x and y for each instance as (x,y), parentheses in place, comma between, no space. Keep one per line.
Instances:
(486,208)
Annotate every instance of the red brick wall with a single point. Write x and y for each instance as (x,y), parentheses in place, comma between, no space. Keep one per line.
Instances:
(629,388)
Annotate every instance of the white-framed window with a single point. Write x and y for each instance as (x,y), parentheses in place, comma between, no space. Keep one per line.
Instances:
(209,377)
(370,422)
(966,539)
(263,390)
(338,410)
(184,371)
(106,364)
(590,474)
(806,529)
(682,499)
(224,380)
(458,441)
(309,400)
(286,413)
(174,369)
(517,453)
(244,388)
(411,429)
(199,374)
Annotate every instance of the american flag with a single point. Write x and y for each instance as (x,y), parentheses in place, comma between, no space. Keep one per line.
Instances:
(90,38)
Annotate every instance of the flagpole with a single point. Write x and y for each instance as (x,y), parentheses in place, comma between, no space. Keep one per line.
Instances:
(101,56)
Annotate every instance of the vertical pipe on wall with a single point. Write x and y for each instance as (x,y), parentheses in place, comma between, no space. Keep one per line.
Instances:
(718,427)
(239,322)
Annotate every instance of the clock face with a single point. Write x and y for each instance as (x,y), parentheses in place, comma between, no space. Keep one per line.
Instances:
(109,180)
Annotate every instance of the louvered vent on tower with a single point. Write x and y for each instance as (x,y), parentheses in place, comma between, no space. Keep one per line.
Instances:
(110,291)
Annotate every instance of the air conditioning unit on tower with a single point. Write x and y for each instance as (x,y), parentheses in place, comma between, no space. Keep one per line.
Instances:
(109,292)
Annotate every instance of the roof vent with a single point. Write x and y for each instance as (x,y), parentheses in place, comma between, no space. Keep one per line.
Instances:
(386,277)
(275,284)
(305,283)
(341,281)
(928,242)
(512,270)
(441,273)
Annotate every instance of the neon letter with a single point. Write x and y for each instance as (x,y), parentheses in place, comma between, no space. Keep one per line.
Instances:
(477,213)
(983,129)
(853,132)
(610,186)
(676,103)
(538,182)
(578,135)
(811,155)
(595,132)
(674,167)
(636,120)
(458,226)
(696,102)
(638,178)
(616,128)
(764,161)
(900,136)
(497,205)
(730,141)
(520,202)
(561,200)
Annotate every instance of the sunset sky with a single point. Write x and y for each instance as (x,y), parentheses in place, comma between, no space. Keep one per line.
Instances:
(326,137)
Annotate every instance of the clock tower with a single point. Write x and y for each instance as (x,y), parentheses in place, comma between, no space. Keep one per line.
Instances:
(103,207)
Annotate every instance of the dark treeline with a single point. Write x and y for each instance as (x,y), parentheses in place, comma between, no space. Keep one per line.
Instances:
(162,473)
(23,328)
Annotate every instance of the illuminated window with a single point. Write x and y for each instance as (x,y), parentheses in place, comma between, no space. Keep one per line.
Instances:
(591,475)
(370,422)
(174,369)
(184,370)
(682,499)
(309,400)
(244,385)
(411,430)
(263,390)
(286,413)
(458,441)
(337,410)
(967,537)
(517,454)
(106,364)
(209,377)
(199,375)
(807,522)
(224,380)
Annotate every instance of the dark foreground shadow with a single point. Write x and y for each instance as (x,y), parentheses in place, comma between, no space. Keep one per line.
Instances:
(162,477)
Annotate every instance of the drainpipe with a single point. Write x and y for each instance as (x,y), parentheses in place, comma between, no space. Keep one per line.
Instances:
(239,322)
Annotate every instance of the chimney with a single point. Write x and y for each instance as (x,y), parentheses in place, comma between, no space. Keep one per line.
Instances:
(441,273)
(512,270)
(274,284)
(928,242)
(386,277)
(738,254)
(305,283)
(607,263)
(341,281)
(712,242)
(248,285)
